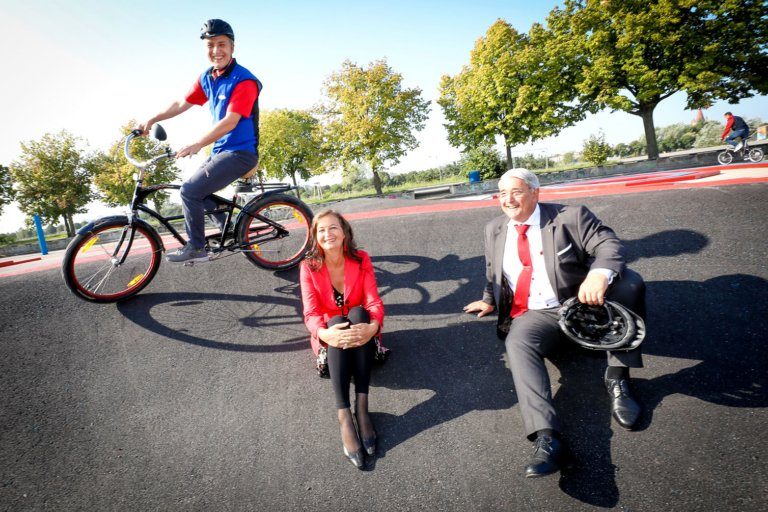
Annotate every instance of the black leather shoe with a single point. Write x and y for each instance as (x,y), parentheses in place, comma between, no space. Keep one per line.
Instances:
(547,452)
(624,409)
(357,458)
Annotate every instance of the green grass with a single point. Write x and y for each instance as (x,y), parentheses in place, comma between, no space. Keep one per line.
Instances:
(33,240)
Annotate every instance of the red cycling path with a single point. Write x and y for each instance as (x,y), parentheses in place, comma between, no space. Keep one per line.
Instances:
(738,174)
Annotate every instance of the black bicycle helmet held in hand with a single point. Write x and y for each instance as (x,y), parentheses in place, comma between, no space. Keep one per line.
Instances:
(213,28)
(607,327)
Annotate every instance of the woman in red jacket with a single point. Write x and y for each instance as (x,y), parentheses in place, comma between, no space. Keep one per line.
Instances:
(344,313)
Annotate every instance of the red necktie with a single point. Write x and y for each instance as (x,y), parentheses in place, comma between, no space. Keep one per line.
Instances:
(523,288)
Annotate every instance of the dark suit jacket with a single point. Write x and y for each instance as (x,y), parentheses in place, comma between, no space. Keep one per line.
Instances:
(573,240)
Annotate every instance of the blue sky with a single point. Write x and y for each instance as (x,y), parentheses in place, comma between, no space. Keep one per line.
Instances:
(90,66)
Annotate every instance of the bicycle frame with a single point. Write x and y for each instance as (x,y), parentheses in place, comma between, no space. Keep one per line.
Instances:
(141,193)
(229,207)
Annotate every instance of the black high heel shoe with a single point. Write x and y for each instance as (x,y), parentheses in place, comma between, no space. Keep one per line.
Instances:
(369,445)
(357,458)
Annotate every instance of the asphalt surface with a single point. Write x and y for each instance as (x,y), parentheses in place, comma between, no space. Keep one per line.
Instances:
(200,393)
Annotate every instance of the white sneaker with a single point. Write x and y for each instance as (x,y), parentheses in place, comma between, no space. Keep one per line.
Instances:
(186,254)
(738,146)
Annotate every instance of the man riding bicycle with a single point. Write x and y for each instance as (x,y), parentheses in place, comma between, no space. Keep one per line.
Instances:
(740,129)
(233,95)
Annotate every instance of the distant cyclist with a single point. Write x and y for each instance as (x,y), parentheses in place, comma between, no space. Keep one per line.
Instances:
(233,95)
(739,127)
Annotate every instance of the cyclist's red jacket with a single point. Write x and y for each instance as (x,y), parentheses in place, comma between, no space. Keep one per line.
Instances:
(359,290)
(735,123)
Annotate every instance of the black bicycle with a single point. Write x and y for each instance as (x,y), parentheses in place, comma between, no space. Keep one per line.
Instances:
(113,258)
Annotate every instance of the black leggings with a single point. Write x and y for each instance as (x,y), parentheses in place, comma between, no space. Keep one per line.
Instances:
(346,363)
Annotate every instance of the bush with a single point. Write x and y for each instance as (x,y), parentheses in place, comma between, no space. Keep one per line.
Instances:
(596,150)
(484,159)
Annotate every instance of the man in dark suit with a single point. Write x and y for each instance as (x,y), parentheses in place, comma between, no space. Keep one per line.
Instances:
(537,256)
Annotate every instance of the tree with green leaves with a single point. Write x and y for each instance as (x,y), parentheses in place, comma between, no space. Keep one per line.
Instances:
(633,54)
(369,117)
(516,86)
(479,101)
(52,179)
(113,174)
(595,150)
(289,144)
(6,187)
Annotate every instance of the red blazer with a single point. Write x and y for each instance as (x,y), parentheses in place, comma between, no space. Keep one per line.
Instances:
(359,290)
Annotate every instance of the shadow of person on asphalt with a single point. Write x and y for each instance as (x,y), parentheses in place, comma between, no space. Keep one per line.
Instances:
(719,325)
(464,370)
(672,242)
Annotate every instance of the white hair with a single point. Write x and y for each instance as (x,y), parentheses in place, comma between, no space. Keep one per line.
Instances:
(521,173)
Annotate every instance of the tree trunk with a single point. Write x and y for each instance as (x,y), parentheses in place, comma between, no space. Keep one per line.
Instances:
(69,225)
(646,112)
(298,190)
(377,182)
(510,162)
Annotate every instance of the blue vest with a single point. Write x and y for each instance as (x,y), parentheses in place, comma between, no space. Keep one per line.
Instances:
(245,135)
(739,124)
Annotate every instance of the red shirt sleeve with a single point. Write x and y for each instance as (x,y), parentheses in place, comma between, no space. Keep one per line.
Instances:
(243,97)
(728,125)
(196,95)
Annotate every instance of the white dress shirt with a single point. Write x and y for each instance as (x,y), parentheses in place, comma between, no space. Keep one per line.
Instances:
(542,295)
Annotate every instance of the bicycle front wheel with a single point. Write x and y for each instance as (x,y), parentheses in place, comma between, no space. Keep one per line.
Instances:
(756,155)
(112,262)
(725,157)
(274,231)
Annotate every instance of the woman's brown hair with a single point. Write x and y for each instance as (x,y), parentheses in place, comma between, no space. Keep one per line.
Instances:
(315,256)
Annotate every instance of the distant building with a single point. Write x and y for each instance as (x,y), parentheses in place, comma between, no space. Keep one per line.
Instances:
(698,118)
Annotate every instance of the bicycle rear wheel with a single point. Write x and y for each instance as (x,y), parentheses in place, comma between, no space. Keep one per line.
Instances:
(756,154)
(274,231)
(112,262)
(725,157)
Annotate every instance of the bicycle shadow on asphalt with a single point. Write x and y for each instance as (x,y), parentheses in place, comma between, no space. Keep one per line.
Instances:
(235,322)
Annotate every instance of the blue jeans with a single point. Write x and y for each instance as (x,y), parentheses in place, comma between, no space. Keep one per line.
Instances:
(743,133)
(217,172)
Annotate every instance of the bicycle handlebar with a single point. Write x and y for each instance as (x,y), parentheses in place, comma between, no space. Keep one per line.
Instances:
(137,163)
